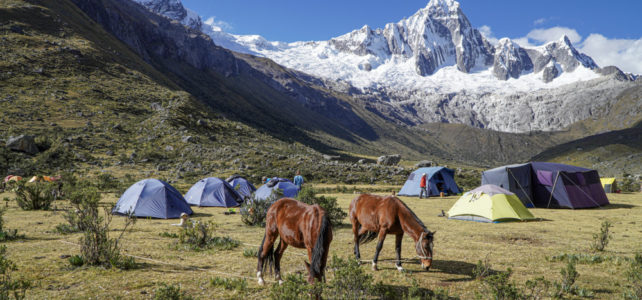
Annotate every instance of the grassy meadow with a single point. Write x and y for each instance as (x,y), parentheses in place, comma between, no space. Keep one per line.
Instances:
(525,247)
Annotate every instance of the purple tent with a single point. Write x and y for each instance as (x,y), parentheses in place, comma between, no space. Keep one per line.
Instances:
(564,186)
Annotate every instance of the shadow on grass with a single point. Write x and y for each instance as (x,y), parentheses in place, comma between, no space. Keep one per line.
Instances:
(457,268)
(200,214)
(394,292)
(617,206)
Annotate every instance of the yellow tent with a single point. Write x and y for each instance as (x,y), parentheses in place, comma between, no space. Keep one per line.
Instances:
(489,203)
(609,184)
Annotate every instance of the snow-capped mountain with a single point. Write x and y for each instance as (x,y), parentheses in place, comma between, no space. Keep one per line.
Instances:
(174,10)
(435,67)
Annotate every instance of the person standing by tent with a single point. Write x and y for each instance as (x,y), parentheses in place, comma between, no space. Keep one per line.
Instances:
(422,186)
(298,179)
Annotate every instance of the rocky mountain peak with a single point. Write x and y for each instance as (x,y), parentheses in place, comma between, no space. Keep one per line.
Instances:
(174,10)
(443,6)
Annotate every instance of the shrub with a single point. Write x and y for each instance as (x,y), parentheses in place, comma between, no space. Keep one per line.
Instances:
(199,236)
(253,211)
(336,215)
(294,287)
(601,239)
(168,235)
(634,276)
(105,181)
(34,196)
(569,275)
(629,184)
(76,261)
(537,288)
(482,269)
(10,287)
(6,234)
(498,286)
(251,252)
(229,283)
(96,247)
(350,281)
(170,292)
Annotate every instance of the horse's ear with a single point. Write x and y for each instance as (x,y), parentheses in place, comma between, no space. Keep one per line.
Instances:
(433,233)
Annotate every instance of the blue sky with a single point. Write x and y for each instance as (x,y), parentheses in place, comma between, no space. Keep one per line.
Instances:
(609,31)
(296,20)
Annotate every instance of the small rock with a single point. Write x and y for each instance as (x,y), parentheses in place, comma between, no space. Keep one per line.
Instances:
(389,160)
(65,256)
(169,148)
(109,153)
(23,143)
(424,163)
(189,139)
(156,106)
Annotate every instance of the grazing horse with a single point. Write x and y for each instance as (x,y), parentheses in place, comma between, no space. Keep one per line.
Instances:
(375,216)
(299,225)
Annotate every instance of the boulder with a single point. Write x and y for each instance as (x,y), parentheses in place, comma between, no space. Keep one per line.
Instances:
(22,143)
(424,163)
(389,160)
(361,161)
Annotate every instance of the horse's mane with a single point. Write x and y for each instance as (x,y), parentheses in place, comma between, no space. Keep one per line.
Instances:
(412,213)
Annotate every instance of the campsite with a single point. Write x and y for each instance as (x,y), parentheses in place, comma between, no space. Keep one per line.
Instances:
(431,150)
(530,249)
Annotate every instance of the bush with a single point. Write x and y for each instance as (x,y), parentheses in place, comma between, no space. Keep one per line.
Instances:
(199,236)
(482,269)
(498,286)
(251,252)
(6,234)
(629,184)
(34,196)
(96,247)
(350,281)
(105,181)
(170,292)
(229,283)
(10,287)
(294,287)
(634,276)
(76,261)
(336,215)
(569,275)
(601,239)
(253,211)
(537,288)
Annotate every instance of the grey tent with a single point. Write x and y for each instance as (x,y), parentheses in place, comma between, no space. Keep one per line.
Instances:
(515,178)
(152,198)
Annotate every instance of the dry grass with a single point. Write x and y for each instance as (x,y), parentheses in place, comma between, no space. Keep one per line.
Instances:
(523,247)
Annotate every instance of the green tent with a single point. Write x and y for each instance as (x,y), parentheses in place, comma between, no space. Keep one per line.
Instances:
(489,203)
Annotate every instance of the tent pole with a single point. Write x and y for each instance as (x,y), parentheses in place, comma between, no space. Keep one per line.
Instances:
(553,190)
(521,188)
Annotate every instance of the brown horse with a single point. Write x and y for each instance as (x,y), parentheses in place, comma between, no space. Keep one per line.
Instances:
(300,225)
(375,216)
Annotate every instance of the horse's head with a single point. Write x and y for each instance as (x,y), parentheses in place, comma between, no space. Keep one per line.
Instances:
(424,248)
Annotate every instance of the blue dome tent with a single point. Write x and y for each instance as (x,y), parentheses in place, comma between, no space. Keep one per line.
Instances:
(213,191)
(152,198)
(435,177)
(289,189)
(241,185)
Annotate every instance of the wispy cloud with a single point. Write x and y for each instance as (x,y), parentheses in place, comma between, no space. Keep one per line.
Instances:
(541,36)
(539,21)
(218,25)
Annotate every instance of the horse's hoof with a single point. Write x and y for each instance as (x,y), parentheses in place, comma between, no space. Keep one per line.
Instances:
(399,268)
(280,282)
(374,267)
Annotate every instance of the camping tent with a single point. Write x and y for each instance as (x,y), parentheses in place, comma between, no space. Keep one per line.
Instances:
(12,178)
(241,185)
(212,191)
(435,176)
(152,198)
(515,178)
(489,203)
(558,186)
(609,185)
(288,188)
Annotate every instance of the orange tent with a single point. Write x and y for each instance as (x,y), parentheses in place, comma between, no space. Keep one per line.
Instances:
(12,178)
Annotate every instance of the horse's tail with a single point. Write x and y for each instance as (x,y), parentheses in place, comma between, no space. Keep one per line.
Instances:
(367,236)
(319,250)
(268,259)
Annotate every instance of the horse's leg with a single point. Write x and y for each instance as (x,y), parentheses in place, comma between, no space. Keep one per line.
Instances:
(265,252)
(355,231)
(277,259)
(382,237)
(398,239)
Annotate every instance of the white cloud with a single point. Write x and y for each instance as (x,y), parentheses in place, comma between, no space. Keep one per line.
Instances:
(218,25)
(539,21)
(552,34)
(488,34)
(625,54)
